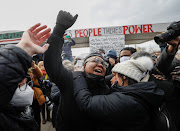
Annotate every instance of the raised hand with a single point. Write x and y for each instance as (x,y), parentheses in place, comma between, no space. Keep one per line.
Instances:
(173,44)
(65,20)
(33,38)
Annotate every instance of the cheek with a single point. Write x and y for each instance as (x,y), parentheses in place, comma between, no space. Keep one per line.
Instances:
(88,68)
(113,80)
(104,69)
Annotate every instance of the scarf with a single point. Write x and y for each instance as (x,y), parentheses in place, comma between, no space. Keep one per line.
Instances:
(44,72)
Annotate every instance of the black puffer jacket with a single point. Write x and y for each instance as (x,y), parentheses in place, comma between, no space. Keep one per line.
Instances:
(14,64)
(69,117)
(118,110)
(166,64)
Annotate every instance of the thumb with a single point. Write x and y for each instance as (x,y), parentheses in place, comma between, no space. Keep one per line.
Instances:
(75,17)
(45,48)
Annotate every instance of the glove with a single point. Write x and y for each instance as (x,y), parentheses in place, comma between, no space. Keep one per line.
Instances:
(64,21)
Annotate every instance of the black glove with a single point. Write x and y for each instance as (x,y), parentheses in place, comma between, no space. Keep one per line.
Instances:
(64,21)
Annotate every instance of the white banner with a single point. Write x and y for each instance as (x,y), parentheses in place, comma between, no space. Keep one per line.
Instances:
(116,42)
(118,30)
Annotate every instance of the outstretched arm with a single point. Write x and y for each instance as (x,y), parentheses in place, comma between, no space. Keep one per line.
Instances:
(52,58)
(15,60)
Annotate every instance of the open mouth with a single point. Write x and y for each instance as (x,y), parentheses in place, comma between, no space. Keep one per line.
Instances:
(98,71)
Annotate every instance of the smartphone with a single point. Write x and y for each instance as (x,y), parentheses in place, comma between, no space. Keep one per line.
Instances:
(79,63)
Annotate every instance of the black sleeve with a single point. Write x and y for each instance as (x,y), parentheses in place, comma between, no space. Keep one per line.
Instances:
(112,107)
(73,42)
(14,64)
(53,61)
(165,62)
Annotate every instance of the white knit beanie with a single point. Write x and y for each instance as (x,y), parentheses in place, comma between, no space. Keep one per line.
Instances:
(134,68)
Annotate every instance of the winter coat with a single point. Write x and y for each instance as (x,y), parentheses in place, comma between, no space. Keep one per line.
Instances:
(55,95)
(118,110)
(67,47)
(13,69)
(166,64)
(69,117)
(38,94)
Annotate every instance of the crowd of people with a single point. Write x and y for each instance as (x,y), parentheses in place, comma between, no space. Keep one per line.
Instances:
(100,92)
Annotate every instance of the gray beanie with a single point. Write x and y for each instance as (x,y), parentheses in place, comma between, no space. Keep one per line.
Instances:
(134,69)
(93,54)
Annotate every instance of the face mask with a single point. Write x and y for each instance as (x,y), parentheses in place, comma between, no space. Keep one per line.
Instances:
(178,52)
(124,58)
(66,41)
(23,96)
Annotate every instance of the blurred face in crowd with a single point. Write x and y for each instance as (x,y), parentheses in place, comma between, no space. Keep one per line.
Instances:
(41,65)
(65,37)
(125,53)
(112,61)
(95,65)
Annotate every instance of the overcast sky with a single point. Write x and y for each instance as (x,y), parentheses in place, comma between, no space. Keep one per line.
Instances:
(21,14)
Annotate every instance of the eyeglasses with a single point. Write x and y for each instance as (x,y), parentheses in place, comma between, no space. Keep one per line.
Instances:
(97,61)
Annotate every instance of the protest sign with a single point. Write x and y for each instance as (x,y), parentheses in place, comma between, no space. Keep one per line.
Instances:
(116,42)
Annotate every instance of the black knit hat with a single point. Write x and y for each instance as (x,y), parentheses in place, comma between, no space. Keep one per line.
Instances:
(102,50)
(112,54)
(93,54)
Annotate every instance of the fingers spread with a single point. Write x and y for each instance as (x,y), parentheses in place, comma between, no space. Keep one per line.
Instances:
(43,39)
(36,31)
(34,27)
(45,47)
(41,34)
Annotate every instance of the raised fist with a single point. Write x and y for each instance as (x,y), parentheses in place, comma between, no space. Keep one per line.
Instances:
(65,20)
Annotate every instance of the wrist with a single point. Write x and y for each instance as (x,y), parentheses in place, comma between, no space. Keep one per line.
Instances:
(171,48)
(25,48)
